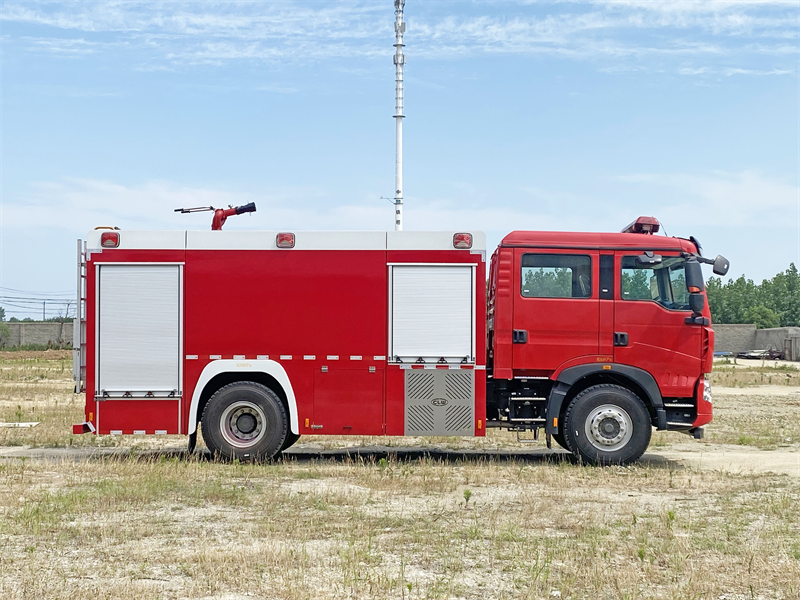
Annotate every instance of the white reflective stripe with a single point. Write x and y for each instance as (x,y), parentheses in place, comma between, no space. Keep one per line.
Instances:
(270,367)
(139,432)
(142,240)
(480,367)
(379,358)
(309,357)
(303,240)
(431,240)
(215,356)
(263,357)
(191,357)
(115,432)
(161,432)
(286,357)
(333,357)
(355,358)
(238,357)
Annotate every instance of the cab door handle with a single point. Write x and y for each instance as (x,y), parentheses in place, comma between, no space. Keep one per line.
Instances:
(519,336)
(620,338)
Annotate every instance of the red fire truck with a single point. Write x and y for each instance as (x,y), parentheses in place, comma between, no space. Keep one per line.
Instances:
(259,337)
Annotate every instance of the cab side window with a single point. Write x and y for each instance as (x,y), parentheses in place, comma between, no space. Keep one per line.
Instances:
(556,276)
(664,283)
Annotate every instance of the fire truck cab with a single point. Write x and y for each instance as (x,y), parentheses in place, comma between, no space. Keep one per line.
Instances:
(599,337)
(256,338)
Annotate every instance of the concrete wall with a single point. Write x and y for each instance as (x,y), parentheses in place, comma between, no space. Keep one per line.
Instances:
(734,338)
(57,334)
(774,338)
(792,348)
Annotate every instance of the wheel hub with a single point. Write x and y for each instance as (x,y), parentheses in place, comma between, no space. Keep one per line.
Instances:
(242,424)
(609,427)
(246,423)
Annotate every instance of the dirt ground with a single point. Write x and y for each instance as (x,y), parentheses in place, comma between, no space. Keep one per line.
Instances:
(136,517)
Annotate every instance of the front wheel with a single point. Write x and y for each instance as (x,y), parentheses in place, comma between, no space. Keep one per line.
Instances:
(246,421)
(607,424)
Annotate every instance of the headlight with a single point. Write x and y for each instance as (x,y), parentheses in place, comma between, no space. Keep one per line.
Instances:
(707,390)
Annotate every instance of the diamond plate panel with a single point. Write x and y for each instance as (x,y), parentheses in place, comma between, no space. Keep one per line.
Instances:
(440,402)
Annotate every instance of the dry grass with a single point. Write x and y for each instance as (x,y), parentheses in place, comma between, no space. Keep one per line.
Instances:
(153,524)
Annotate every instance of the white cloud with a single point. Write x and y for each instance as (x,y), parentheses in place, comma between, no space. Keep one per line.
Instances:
(206,33)
(746,198)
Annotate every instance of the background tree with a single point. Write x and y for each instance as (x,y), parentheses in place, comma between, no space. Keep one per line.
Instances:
(773,303)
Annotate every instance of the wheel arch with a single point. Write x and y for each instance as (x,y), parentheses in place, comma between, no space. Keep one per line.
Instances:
(219,373)
(572,381)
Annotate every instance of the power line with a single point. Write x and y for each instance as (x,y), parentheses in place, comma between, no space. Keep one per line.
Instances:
(36,293)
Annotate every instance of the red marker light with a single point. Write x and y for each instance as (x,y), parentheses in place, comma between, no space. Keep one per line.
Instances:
(109,239)
(284,240)
(462,241)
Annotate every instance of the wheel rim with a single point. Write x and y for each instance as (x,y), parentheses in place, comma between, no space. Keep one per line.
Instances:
(609,427)
(243,424)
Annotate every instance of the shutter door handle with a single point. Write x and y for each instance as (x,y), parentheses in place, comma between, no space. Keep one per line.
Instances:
(519,336)
(620,338)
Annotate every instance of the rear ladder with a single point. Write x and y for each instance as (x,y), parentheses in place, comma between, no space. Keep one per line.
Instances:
(79,325)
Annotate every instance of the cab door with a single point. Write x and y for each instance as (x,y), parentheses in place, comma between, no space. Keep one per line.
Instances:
(556,307)
(650,329)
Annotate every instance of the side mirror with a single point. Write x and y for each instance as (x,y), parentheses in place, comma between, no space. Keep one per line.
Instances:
(694,276)
(648,258)
(721,265)
(697,302)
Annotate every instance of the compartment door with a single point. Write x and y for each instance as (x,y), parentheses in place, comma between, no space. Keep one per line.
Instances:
(139,329)
(432,311)
(348,401)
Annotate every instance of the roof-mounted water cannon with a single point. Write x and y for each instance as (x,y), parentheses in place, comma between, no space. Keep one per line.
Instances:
(643,225)
(220,214)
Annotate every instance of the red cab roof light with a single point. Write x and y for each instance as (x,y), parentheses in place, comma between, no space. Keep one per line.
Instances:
(643,225)
(109,239)
(462,241)
(284,240)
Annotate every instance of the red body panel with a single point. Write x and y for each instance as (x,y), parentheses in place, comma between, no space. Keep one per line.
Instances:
(322,314)
(348,401)
(137,416)
(559,329)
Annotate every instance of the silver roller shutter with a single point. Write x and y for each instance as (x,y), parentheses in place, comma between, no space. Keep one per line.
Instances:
(139,328)
(432,312)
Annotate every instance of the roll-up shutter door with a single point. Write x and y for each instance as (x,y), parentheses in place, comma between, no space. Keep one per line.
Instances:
(432,312)
(139,329)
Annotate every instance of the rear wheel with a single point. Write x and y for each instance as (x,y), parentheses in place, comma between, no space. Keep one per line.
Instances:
(246,421)
(607,424)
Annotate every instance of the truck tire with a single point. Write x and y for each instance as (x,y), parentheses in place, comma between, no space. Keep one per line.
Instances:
(607,424)
(291,440)
(244,420)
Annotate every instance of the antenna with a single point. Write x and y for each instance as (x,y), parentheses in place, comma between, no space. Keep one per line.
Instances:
(399,61)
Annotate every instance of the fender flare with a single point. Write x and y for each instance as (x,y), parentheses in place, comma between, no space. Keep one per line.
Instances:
(568,377)
(269,367)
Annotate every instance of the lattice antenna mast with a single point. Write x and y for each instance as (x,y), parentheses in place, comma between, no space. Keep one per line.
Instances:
(399,61)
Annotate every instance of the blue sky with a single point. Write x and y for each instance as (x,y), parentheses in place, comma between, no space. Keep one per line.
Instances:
(521,115)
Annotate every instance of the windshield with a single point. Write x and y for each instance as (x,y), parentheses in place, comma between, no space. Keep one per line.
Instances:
(664,283)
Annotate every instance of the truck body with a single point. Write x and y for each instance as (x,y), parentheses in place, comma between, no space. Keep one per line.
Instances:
(259,337)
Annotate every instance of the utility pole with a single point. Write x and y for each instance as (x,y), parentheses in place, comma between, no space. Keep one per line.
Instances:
(399,61)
